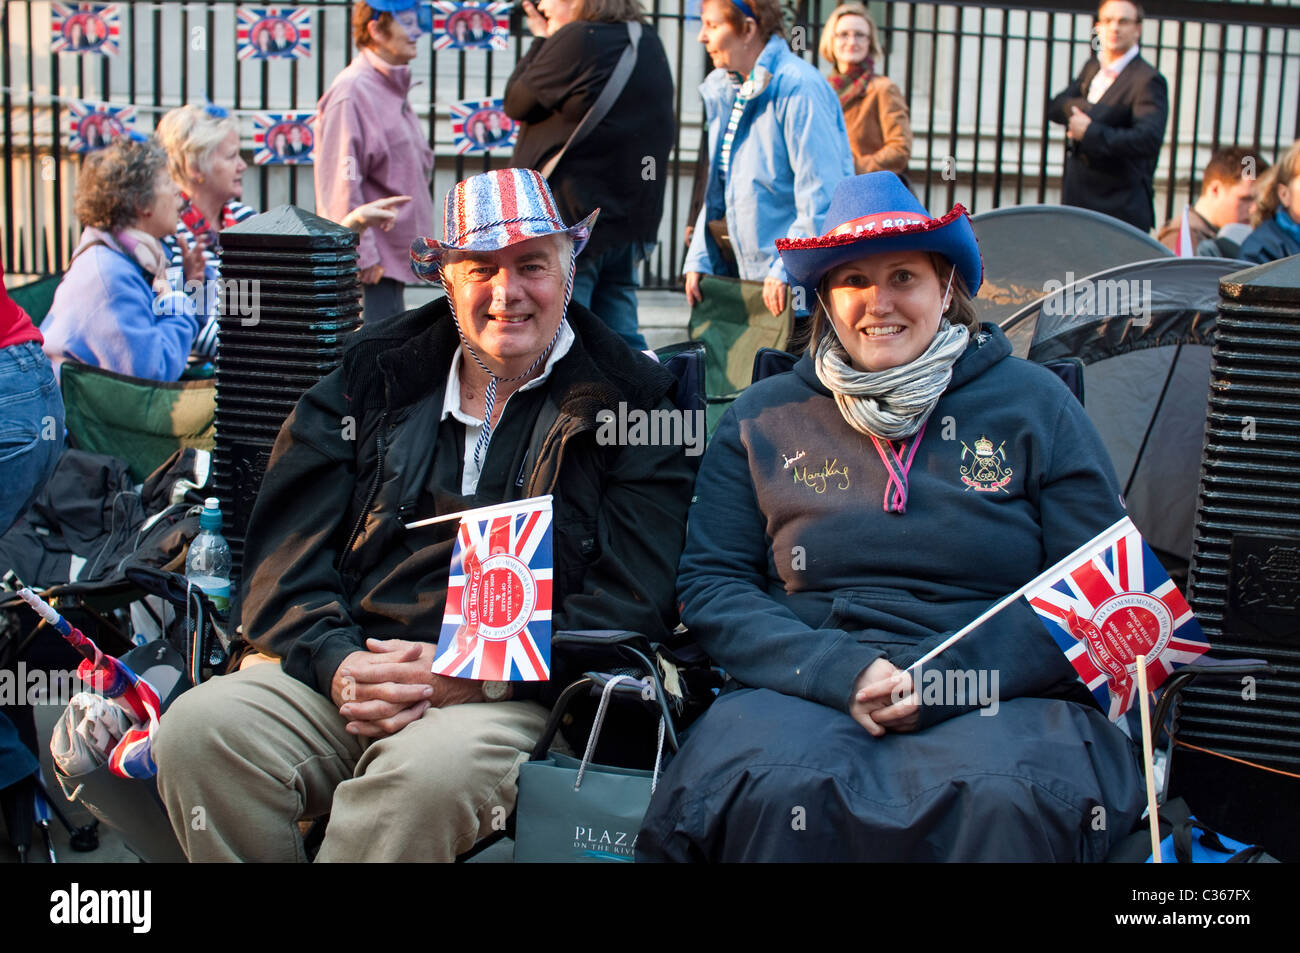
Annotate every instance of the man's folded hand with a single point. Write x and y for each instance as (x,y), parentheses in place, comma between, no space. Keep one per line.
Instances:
(389,685)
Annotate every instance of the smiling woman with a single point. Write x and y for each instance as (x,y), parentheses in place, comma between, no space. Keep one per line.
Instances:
(848,516)
(875,112)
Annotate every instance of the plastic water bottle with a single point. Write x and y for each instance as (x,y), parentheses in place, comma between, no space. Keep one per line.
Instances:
(208,563)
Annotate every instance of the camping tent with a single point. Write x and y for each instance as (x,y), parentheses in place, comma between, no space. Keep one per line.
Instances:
(1144,333)
(1025,246)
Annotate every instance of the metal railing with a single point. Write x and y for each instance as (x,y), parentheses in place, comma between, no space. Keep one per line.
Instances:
(977,78)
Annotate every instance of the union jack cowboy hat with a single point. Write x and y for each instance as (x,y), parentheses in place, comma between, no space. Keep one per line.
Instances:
(874,213)
(492,211)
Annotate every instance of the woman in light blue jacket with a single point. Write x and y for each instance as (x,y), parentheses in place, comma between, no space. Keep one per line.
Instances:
(777,147)
(115,308)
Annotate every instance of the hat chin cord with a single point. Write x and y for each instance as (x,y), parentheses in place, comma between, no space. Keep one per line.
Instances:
(490,396)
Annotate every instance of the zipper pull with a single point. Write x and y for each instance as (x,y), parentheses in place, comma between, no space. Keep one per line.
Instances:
(523,465)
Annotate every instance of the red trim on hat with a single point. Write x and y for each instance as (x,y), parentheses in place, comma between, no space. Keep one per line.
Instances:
(834,240)
(509,207)
(545,194)
(458,236)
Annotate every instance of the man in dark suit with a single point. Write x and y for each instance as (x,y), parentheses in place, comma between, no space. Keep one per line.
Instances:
(1114,115)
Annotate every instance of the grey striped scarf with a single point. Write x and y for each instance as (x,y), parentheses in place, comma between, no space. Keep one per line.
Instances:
(891,404)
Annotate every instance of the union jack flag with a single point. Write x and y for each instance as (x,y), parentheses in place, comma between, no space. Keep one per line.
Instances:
(112,678)
(447,16)
(84,28)
(95,125)
(472,122)
(270,32)
(1110,602)
(274,135)
(497,624)
(133,755)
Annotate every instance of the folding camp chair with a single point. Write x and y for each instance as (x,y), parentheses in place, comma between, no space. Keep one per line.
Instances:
(732,324)
(140,421)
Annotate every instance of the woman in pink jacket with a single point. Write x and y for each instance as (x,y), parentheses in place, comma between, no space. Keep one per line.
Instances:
(370,145)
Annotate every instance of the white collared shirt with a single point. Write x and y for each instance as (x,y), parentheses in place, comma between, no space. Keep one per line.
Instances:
(474,425)
(1107,75)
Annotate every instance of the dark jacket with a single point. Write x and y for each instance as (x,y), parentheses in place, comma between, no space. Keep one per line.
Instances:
(1268,243)
(328,561)
(795,579)
(552,88)
(1111,168)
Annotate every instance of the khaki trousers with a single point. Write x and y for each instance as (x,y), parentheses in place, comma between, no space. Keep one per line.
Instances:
(244,757)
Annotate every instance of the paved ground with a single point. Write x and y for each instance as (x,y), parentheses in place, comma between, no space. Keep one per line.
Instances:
(663,321)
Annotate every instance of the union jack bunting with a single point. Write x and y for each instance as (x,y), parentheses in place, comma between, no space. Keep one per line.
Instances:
(84,28)
(274,32)
(481,124)
(95,125)
(1110,602)
(283,138)
(465,26)
(497,624)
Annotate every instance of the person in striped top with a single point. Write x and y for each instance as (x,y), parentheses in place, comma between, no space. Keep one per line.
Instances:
(202,144)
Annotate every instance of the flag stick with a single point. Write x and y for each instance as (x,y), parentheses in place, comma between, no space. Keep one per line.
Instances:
(1123,526)
(1153,811)
(478,511)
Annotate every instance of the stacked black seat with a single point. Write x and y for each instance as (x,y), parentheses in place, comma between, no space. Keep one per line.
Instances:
(1245,572)
(291,300)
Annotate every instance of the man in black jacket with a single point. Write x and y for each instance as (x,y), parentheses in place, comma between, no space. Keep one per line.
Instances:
(1114,115)
(489,395)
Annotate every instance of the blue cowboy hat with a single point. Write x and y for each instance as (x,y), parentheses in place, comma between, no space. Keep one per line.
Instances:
(873,213)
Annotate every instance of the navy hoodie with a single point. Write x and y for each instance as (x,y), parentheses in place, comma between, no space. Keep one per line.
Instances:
(794,577)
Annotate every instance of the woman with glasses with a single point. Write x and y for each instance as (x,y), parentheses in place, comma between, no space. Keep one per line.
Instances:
(877,117)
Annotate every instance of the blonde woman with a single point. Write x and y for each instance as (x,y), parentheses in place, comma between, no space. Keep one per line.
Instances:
(202,144)
(878,121)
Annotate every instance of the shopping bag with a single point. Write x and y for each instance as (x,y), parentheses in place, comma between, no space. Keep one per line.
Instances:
(574,811)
